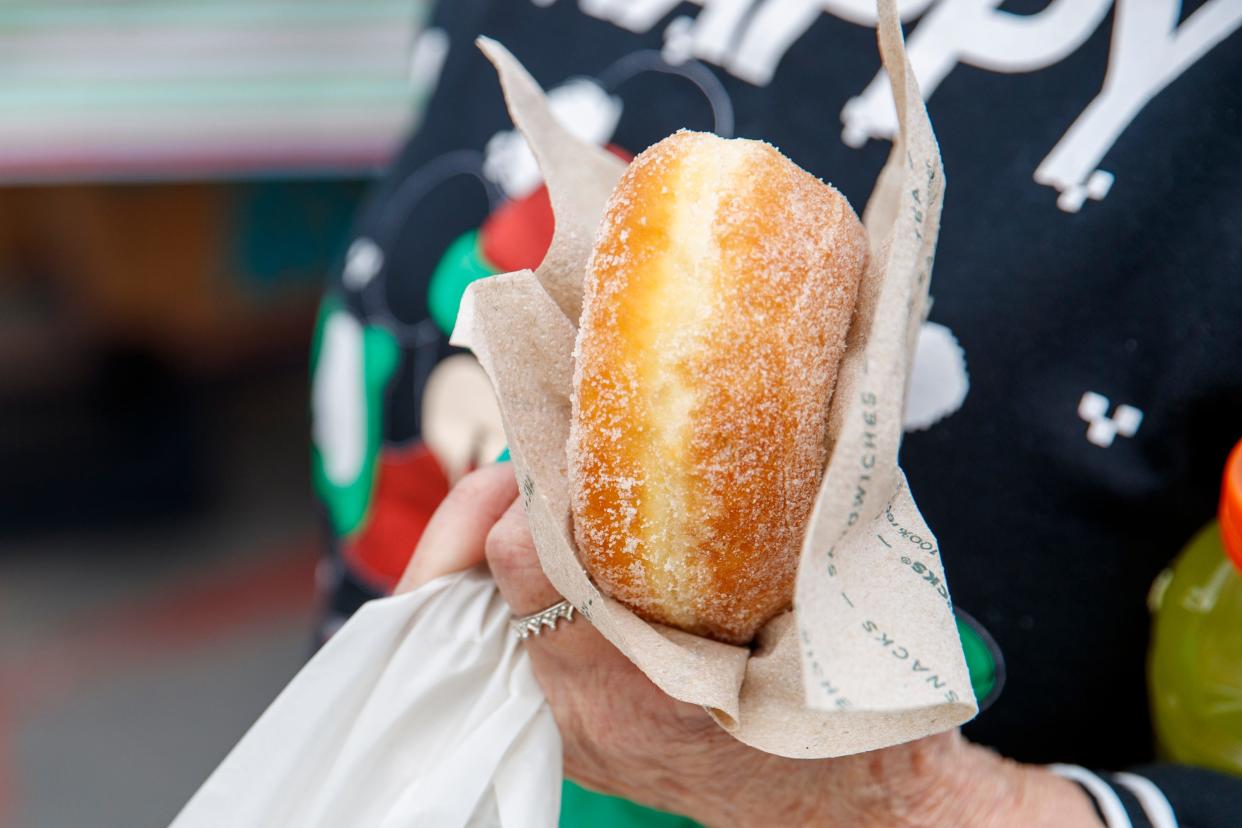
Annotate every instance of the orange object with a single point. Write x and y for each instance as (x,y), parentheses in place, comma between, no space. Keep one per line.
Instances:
(1231,506)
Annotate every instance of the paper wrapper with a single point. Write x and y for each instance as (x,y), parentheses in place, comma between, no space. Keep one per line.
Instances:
(870,654)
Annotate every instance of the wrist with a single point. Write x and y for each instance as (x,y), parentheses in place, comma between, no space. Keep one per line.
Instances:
(970,786)
(933,782)
(914,785)
(946,780)
(940,780)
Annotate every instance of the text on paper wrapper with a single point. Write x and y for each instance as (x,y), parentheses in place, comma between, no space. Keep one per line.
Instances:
(902,653)
(820,675)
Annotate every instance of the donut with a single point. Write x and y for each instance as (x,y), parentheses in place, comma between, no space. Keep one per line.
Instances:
(715,308)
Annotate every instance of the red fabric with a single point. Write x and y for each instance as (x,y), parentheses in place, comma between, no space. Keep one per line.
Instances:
(409,486)
(517,235)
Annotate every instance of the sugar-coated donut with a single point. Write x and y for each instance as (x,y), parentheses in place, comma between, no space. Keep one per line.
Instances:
(716,305)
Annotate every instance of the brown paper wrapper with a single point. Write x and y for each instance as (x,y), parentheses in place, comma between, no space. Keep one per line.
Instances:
(870,654)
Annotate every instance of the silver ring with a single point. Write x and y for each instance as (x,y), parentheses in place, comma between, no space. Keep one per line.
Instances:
(529,625)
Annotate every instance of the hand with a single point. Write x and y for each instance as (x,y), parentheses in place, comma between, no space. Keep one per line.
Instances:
(622,735)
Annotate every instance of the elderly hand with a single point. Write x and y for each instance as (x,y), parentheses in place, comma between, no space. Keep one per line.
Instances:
(624,736)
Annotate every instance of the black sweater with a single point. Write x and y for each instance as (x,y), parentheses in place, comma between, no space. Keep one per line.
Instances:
(1089,270)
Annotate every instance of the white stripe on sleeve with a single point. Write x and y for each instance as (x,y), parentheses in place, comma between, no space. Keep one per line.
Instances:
(1155,803)
(1110,804)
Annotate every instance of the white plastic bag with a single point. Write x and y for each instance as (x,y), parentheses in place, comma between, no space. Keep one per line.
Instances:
(421,710)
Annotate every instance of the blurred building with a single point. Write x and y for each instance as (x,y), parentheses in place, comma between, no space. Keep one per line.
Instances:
(176,180)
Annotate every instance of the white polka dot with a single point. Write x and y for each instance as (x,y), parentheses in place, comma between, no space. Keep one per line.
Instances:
(427,56)
(363,261)
(938,380)
(338,400)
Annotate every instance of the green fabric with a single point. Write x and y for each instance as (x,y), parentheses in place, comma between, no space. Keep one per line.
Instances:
(979,660)
(460,265)
(581,808)
(347,503)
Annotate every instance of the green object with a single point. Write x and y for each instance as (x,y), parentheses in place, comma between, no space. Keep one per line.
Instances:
(462,263)
(581,808)
(1195,665)
(504,456)
(979,660)
(348,498)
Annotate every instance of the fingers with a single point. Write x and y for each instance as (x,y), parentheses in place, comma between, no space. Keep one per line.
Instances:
(454,538)
(515,565)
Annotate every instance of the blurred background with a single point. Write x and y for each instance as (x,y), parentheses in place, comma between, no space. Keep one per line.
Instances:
(176,181)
